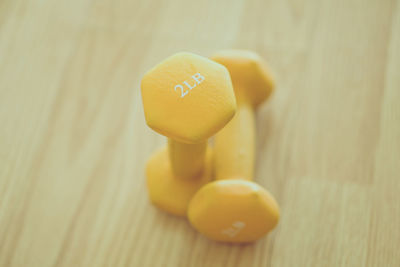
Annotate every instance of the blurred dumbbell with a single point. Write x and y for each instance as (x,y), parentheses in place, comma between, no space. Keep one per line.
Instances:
(187,98)
(233,208)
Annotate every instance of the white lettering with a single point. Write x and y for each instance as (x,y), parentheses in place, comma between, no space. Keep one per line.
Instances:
(188,85)
(198,78)
(234,229)
(183,93)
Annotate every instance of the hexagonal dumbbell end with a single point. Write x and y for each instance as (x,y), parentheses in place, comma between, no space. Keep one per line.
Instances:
(250,74)
(187,98)
(235,211)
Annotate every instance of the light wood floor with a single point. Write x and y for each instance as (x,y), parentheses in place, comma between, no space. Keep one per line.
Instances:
(73,141)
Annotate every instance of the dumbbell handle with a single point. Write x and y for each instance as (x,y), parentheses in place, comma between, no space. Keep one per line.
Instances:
(235,145)
(187,160)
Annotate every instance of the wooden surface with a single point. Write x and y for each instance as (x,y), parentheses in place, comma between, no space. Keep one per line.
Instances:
(73,141)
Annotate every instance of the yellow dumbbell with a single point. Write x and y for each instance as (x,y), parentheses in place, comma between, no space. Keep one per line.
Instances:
(234,209)
(187,98)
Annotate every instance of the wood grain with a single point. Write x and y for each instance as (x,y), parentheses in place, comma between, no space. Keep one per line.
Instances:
(73,141)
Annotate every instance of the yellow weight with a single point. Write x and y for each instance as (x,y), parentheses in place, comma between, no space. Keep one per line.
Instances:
(187,98)
(233,208)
